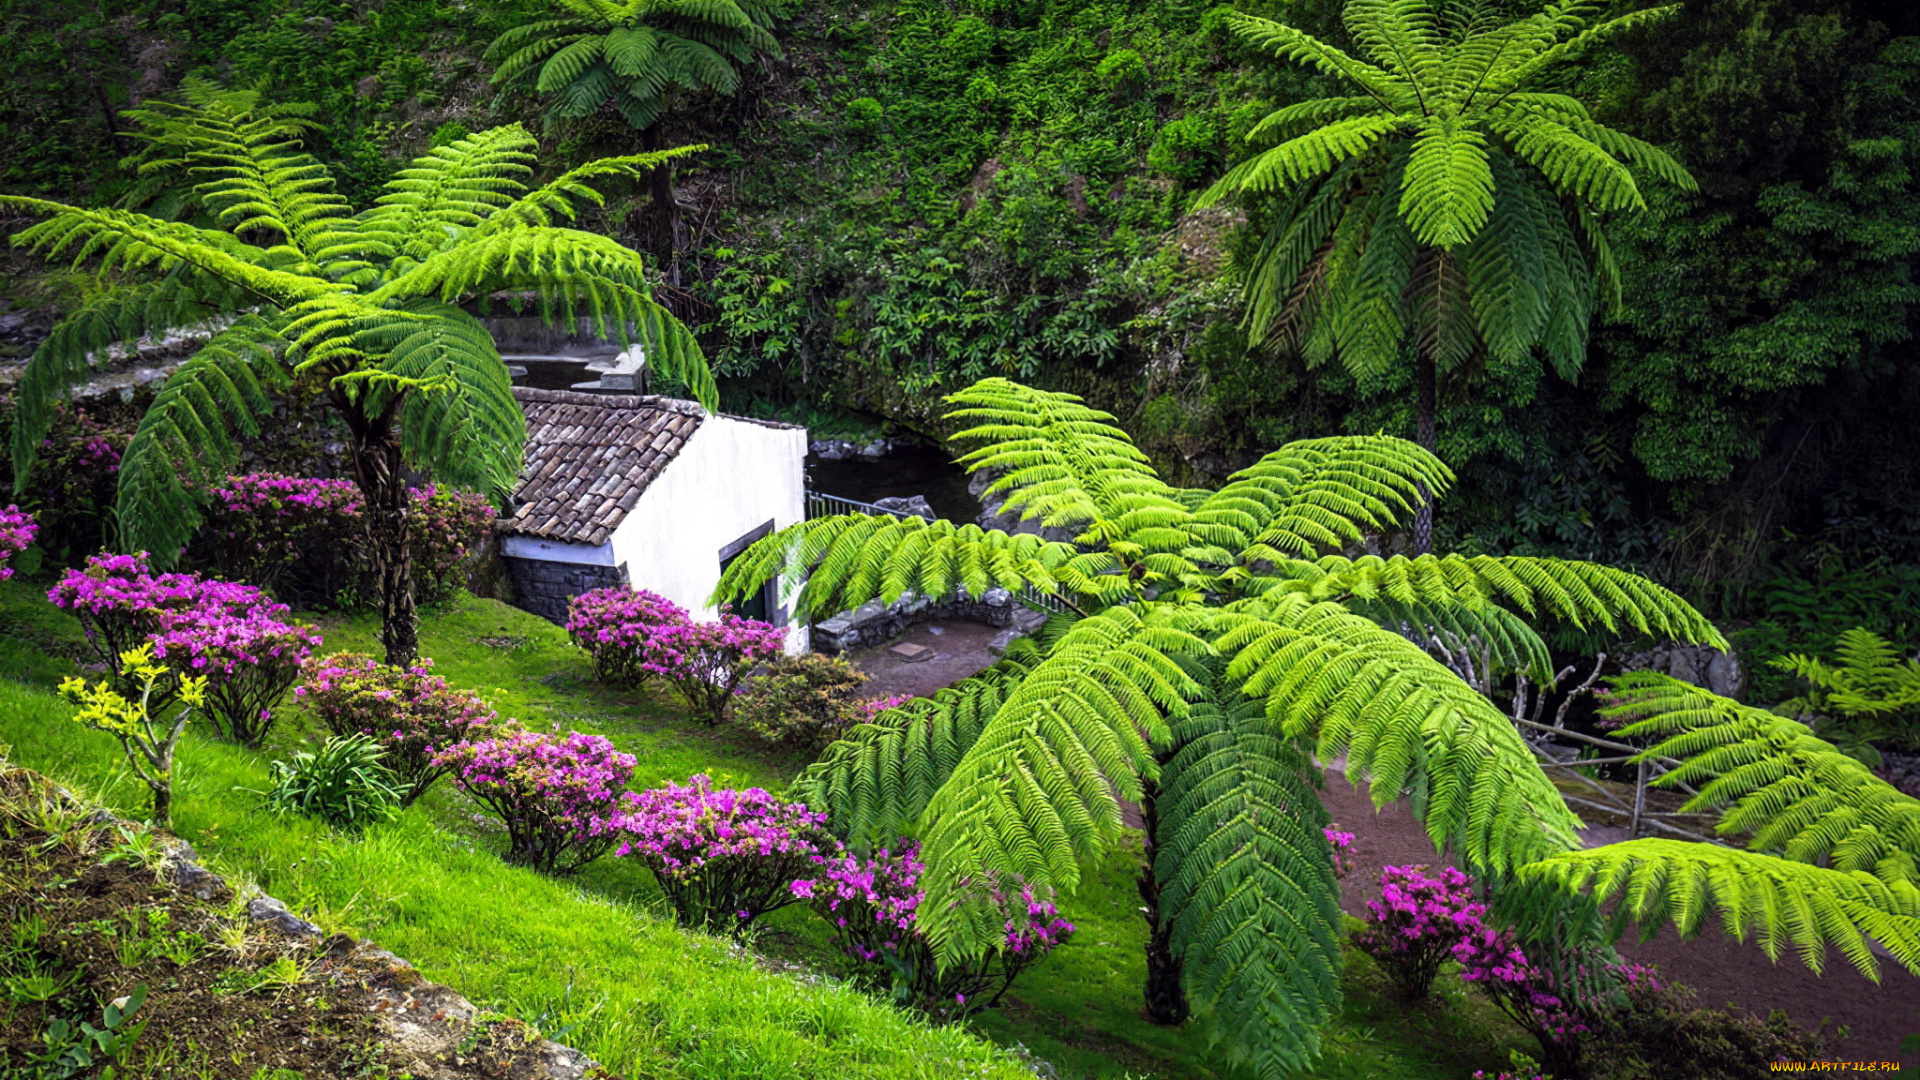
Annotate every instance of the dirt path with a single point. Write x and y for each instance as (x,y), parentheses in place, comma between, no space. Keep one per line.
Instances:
(1724,971)
(959,650)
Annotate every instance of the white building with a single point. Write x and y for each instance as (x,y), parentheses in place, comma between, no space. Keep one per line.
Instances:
(650,492)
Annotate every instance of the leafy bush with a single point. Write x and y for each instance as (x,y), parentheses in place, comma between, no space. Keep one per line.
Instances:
(557,795)
(863,116)
(1657,1034)
(633,635)
(71,490)
(1414,925)
(873,905)
(1869,694)
(344,783)
(1122,70)
(1186,149)
(803,702)
(723,858)
(447,529)
(17,530)
(232,634)
(134,718)
(413,714)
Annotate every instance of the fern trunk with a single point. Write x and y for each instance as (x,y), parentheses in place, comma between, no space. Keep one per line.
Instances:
(381,477)
(666,208)
(1166,996)
(1426,377)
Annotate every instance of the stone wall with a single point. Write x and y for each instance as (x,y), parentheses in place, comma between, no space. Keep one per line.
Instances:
(876,621)
(545,588)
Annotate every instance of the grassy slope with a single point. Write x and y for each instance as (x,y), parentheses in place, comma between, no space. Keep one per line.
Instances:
(646,998)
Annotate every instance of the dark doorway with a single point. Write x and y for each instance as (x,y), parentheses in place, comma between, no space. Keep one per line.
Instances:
(765,604)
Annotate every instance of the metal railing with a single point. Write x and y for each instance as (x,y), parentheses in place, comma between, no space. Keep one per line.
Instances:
(820,504)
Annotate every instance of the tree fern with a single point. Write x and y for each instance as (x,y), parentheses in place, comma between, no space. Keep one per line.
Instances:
(367,304)
(1215,641)
(1449,206)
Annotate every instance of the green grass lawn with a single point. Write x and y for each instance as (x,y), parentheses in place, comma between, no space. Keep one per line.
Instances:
(590,960)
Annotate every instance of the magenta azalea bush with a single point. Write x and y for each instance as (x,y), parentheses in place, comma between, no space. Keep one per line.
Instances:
(17,529)
(617,628)
(233,634)
(722,857)
(1558,1008)
(634,635)
(1412,928)
(411,713)
(258,526)
(557,795)
(304,536)
(873,906)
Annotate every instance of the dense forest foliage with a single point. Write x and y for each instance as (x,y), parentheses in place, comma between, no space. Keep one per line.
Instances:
(918,193)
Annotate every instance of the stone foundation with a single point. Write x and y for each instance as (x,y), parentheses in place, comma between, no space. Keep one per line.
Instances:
(545,588)
(875,622)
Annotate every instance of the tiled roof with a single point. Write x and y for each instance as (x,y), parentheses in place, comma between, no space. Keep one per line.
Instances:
(589,458)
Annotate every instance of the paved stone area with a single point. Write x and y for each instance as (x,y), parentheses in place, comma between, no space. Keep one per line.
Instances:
(959,649)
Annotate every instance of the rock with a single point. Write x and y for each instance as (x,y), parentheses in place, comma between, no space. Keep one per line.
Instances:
(876,449)
(1699,665)
(911,505)
(911,654)
(1002,641)
(276,917)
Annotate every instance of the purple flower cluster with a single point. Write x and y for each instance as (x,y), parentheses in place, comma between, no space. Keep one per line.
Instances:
(446,529)
(233,634)
(1342,842)
(634,635)
(873,905)
(1412,928)
(1550,1005)
(557,795)
(722,857)
(16,531)
(411,712)
(873,707)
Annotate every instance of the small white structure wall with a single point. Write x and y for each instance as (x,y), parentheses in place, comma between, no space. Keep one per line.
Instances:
(729,479)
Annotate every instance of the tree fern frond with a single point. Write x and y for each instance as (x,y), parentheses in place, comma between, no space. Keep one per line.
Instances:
(1289,43)
(1060,461)
(1040,789)
(1447,194)
(1316,493)
(1785,903)
(186,443)
(847,560)
(1246,880)
(1776,782)
(449,189)
(874,782)
(1406,725)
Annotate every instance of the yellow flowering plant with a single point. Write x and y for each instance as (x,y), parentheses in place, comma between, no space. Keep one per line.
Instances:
(146,739)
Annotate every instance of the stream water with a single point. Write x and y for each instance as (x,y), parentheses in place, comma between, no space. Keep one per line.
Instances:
(909,470)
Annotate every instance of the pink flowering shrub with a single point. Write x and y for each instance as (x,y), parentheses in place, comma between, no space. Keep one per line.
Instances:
(557,795)
(233,634)
(72,488)
(634,635)
(16,532)
(305,536)
(1557,1007)
(258,526)
(1412,928)
(873,906)
(412,713)
(448,529)
(617,628)
(722,857)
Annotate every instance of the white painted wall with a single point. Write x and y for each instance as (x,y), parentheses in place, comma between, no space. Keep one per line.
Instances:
(729,479)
